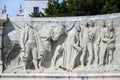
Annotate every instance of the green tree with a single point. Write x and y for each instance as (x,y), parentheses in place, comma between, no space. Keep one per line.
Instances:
(82,7)
(40,14)
(56,7)
(63,8)
(49,11)
(111,6)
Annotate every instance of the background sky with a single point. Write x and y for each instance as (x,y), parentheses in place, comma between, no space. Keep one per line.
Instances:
(12,6)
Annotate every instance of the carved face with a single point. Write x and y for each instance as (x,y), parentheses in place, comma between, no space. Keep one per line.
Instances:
(110,27)
(78,28)
(90,24)
(57,32)
(103,24)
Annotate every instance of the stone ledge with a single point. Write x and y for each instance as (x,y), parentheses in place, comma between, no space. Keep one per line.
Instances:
(67,76)
(76,18)
(60,75)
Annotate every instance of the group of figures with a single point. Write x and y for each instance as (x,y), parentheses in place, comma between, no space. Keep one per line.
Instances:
(94,44)
(31,42)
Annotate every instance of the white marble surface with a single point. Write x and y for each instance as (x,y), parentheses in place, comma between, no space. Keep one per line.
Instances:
(11,28)
(58,76)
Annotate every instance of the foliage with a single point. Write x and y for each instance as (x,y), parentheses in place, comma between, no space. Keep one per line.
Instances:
(40,14)
(81,7)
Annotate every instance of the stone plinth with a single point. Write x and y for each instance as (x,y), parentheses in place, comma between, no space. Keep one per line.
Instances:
(62,76)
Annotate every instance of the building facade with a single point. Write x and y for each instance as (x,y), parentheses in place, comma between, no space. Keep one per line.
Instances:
(34,6)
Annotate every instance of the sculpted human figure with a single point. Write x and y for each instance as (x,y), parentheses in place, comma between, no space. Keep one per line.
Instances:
(87,38)
(84,41)
(48,33)
(96,44)
(91,37)
(83,36)
(110,43)
(71,48)
(59,51)
(30,43)
(103,44)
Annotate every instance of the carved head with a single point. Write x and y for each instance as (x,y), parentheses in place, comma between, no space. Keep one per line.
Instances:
(29,24)
(103,23)
(87,24)
(57,32)
(77,27)
(110,26)
(90,24)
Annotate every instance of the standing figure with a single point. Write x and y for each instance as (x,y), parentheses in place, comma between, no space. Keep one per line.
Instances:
(91,37)
(103,44)
(87,38)
(71,48)
(30,42)
(111,44)
(96,44)
(84,37)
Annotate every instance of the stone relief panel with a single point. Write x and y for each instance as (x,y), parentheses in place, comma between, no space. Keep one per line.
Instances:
(61,46)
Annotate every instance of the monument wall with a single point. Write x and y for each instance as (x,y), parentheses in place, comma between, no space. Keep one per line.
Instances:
(86,46)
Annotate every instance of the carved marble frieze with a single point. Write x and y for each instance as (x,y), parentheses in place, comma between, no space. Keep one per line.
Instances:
(61,45)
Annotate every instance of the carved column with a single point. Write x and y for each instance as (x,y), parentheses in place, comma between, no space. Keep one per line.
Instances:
(3,19)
